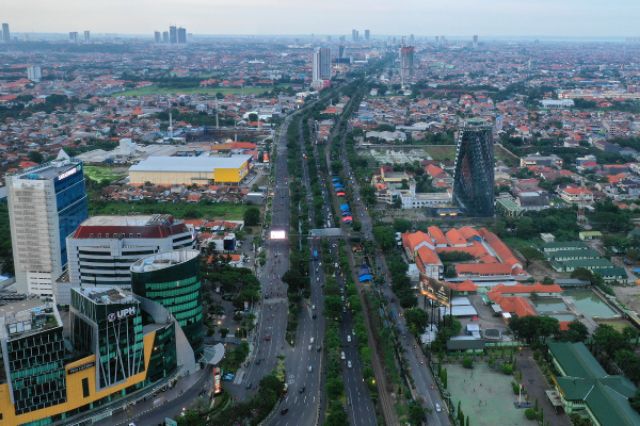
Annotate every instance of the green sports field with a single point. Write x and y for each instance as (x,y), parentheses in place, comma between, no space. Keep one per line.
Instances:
(101,174)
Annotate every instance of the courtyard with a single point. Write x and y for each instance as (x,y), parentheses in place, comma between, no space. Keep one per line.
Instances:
(485,395)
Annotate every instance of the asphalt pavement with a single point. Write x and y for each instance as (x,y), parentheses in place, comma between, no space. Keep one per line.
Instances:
(424,385)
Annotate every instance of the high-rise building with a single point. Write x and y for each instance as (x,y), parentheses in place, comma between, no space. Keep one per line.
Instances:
(157,37)
(473,186)
(355,35)
(108,323)
(367,35)
(33,353)
(6,34)
(412,39)
(173,34)
(46,203)
(341,51)
(182,35)
(321,64)
(119,344)
(87,36)
(165,36)
(73,36)
(173,280)
(103,248)
(34,73)
(406,63)
(475,41)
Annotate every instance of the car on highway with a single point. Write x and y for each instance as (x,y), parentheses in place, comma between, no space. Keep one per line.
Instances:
(311,340)
(342,356)
(349,364)
(267,337)
(310,347)
(438,407)
(302,389)
(349,338)
(310,368)
(284,411)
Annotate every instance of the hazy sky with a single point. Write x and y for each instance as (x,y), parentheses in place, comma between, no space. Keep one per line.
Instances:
(420,17)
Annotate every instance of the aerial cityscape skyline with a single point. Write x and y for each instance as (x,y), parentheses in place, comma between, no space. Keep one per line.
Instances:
(295,213)
(495,18)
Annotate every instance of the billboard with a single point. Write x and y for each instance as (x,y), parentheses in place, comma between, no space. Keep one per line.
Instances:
(278,235)
(217,380)
(435,290)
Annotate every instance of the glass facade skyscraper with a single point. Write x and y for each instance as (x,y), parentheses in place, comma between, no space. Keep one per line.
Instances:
(108,322)
(172,279)
(46,203)
(473,186)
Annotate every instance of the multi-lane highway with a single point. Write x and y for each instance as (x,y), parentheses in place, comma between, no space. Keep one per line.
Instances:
(303,363)
(360,407)
(424,385)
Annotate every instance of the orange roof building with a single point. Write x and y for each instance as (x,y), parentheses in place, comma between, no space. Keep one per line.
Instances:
(466,286)
(412,241)
(437,235)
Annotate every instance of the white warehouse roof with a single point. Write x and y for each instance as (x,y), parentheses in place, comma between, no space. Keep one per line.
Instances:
(189,164)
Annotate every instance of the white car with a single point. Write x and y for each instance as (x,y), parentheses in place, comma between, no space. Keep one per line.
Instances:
(349,364)
(349,338)
(342,356)
(310,368)
(438,408)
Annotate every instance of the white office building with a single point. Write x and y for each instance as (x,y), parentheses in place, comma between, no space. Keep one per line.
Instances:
(103,248)
(46,203)
(34,73)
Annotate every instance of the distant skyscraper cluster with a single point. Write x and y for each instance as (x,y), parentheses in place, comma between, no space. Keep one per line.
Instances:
(74,36)
(6,34)
(355,35)
(175,35)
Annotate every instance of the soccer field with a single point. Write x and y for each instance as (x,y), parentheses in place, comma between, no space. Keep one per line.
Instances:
(485,396)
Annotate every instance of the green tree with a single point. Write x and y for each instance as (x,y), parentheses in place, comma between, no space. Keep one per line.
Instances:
(416,414)
(36,157)
(252,216)
(577,332)
(416,319)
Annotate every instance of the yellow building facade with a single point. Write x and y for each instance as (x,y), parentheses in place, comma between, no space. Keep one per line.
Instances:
(75,372)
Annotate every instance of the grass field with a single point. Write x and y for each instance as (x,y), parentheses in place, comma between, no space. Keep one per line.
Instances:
(156,90)
(182,210)
(441,152)
(485,396)
(506,156)
(101,174)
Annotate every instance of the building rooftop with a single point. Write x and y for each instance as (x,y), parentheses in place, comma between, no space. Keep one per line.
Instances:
(106,295)
(144,226)
(27,316)
(189,164)
(50,170)
(138,220)
(163,260)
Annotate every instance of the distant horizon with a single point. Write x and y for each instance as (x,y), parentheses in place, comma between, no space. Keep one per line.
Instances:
(335,37)
(509,18)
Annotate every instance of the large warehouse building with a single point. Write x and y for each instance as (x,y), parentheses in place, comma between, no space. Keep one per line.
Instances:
(190,170)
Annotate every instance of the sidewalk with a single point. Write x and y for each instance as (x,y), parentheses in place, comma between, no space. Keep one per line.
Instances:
(150,406)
